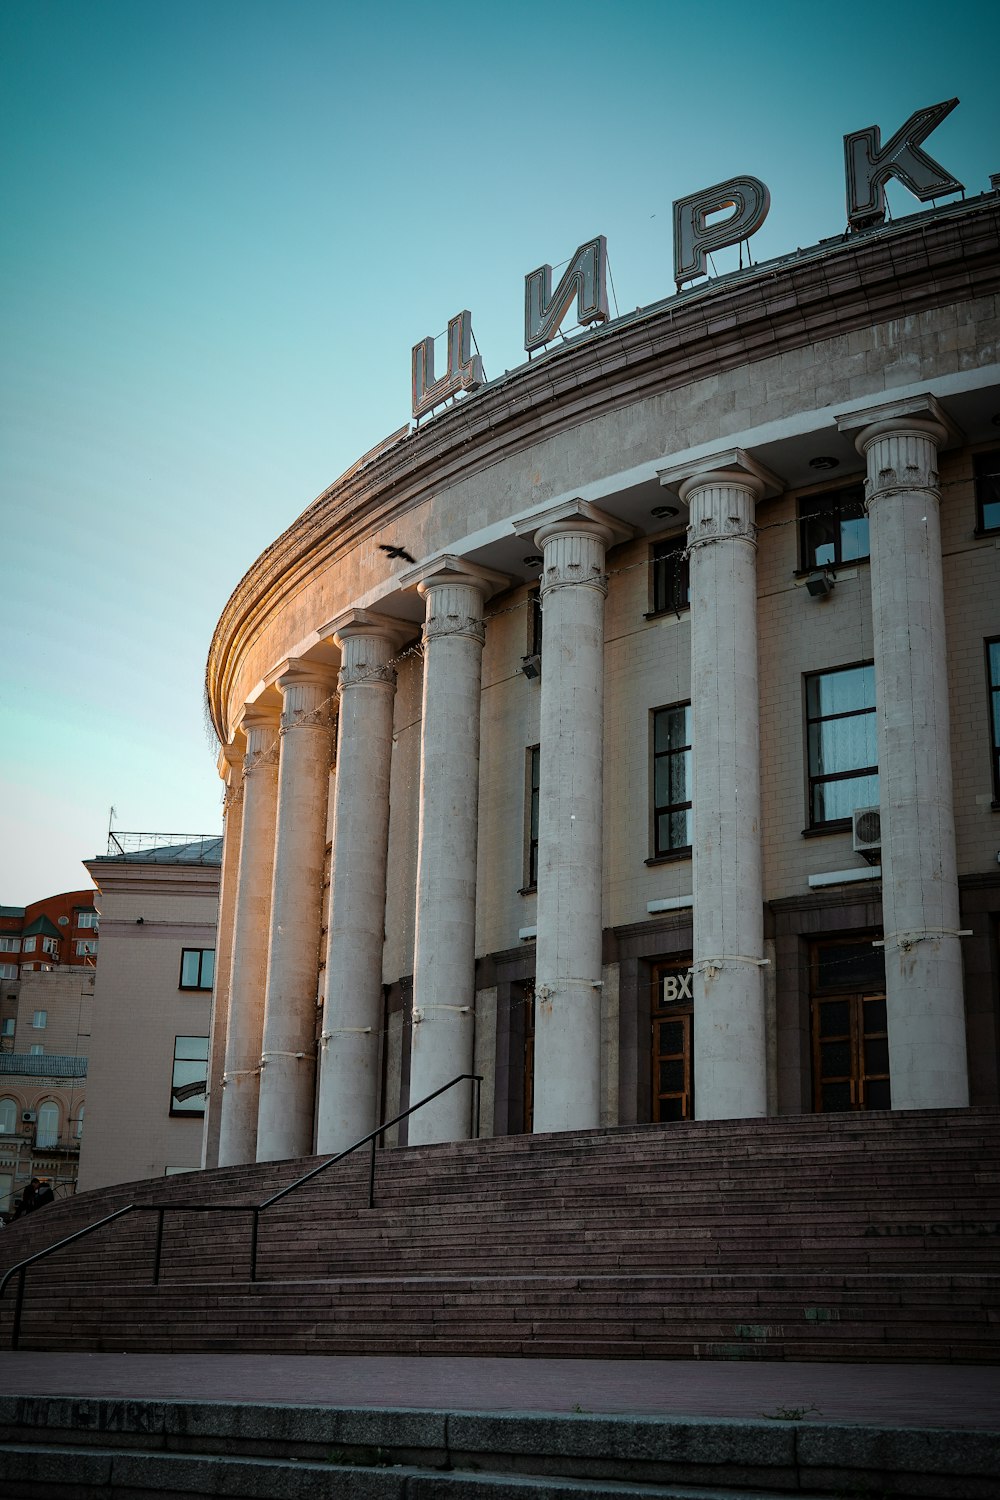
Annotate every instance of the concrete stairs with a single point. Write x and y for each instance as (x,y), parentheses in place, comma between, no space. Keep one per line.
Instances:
(816,1237)
(54,1446)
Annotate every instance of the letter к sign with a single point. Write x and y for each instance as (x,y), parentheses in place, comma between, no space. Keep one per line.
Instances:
(870,165)
(464,372)
(584,278)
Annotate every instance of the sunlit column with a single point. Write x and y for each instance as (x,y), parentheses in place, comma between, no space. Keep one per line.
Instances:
(730,1049)
(928,1067)
(288,1055)
(231,767)
(445,942)
(352,1014)
(251,926)
(573,539)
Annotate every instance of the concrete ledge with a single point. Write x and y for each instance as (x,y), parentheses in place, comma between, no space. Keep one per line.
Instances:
(61,1445)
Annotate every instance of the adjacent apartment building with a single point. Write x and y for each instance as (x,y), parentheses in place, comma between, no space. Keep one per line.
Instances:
(158,900)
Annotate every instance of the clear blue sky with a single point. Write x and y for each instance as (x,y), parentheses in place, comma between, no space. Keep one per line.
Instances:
(225,222)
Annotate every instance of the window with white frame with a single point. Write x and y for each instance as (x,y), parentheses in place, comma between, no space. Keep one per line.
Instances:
(50,946)
(36,1050)
(28,946)
(78,1127)
(47,1128)
(8,1116)
(8,1026)
(10,945)
(8,971)
(87,919)
(40,1020)
(86,947)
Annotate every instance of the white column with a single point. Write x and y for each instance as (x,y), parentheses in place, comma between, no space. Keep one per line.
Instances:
(445,943)
(251,926)
(231,767)
(352,1016)
(288,1055)
(928,1066)
(730,1047)
(573,539)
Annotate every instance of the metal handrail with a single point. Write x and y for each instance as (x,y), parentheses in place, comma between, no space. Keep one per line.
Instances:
(161,1209)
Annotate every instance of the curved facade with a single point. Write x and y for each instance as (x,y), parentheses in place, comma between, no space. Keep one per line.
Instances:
(575,801)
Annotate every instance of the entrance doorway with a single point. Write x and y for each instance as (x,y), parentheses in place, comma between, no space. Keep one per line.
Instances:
(672,1048)
(850,1038)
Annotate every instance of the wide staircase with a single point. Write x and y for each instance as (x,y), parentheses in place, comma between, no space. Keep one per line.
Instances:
(840,1237)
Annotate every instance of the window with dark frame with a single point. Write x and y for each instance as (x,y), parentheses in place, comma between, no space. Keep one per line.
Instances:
(986,467)
(671,779)
(190,1075)
(535,623)
(833,528)
(993,678)
(532,779)
(840,731)
(671,577)
(197,968)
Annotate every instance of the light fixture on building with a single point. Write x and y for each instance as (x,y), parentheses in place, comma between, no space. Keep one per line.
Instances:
(531,666)
(824,461)
(663,512)
(533,560)
(821,583)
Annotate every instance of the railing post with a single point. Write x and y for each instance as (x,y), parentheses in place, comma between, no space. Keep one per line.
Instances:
(159,1247)
(15,1332)
(253,1244)
(371,1177)
(479,1097)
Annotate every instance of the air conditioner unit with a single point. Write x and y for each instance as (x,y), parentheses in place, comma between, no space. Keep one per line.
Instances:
(28,1117)
(866,833)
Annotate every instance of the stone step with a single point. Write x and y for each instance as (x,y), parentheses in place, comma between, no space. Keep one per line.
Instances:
(62,1446)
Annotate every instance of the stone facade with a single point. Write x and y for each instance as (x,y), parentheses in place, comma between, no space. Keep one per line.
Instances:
(746,516)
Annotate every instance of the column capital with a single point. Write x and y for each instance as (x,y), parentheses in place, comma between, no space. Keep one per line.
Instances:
(259,715)
(367,622)
(573,515)
(259,722)
(921,414)
(448,570)
(231,758)
(733,466)
(301,672)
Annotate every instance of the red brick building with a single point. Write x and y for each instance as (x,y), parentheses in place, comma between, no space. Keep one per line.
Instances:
(58,930)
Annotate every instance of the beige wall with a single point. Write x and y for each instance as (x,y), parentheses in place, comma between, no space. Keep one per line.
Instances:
(139,1009)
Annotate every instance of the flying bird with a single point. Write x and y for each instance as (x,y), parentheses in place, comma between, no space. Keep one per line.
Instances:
(399,552)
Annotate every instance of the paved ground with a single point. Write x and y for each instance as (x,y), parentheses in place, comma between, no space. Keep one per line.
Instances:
(955,1396)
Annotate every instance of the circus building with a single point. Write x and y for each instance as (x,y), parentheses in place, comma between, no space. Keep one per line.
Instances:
(626,731)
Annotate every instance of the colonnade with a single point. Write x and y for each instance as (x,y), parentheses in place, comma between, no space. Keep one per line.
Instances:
(268,1103)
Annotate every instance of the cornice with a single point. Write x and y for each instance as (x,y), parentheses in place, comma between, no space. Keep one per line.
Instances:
(927,260)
